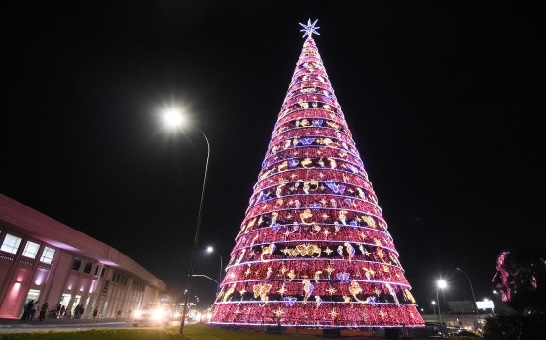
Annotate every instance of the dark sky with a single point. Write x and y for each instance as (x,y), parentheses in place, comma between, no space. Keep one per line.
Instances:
(444,101)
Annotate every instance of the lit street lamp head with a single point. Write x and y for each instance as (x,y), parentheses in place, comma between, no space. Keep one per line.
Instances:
(441,284)
(173,119)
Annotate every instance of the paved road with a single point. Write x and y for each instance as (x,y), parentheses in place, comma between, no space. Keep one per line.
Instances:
(19,326)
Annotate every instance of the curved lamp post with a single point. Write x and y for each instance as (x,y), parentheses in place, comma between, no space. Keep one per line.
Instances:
(174,120)
(495,297)
(473,296)
(434,308)
(210,249)
(201,275)
(441,284)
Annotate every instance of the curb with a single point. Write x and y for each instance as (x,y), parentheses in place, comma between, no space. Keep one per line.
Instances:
(56,324)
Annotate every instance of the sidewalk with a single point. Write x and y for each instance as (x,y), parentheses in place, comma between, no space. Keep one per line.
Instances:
(16,323)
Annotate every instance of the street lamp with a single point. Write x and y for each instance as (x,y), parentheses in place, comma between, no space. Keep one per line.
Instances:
(492,302)
(441,284)
(434,309)
(174,120)
(210,249)
(473,296)
(200,275)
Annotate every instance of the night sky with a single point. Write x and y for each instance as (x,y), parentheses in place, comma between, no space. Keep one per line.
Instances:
(442,100)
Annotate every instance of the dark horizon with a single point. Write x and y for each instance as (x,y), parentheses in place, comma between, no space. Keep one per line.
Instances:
(442,101)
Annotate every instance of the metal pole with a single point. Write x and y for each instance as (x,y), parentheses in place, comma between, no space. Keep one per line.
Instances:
(219,276)
(439,311)
(199,275)
(473,296)
(211,250)
(188,287)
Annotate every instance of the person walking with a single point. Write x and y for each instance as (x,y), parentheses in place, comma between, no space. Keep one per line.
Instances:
(77,312)
(58,311)
(43,311)
(95,313)
(35,307)
(28,310)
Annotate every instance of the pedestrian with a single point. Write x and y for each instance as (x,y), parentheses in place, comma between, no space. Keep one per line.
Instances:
(77,312)
(58,311)
(27,310)
(43,311)
(63,309)
(35,307)
(95,313)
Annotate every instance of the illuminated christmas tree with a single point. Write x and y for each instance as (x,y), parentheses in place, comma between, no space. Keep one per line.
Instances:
(313,248)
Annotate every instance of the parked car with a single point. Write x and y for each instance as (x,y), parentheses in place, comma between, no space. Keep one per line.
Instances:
(463,333)
(152,314)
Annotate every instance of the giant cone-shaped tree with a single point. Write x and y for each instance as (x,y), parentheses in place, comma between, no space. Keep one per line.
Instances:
(313,248)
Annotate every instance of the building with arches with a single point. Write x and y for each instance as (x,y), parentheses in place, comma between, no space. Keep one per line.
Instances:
(44,260)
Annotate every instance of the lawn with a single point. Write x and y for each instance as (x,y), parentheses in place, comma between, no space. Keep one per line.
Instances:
(194,332)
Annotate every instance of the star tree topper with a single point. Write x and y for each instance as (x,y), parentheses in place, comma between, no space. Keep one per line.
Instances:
(310,28)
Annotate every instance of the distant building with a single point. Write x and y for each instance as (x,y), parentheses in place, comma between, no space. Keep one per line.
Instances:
(42,259)
(461,307)
(460,314)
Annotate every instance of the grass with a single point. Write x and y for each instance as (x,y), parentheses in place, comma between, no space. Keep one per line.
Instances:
(193,332)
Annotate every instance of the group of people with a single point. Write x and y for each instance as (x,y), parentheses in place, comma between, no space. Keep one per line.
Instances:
(60,311)
(78,311)
(33,307)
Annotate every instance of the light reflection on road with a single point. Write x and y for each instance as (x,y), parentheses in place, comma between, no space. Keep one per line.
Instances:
(26,328)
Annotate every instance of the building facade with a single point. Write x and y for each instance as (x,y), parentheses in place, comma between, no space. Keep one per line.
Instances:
(45,261)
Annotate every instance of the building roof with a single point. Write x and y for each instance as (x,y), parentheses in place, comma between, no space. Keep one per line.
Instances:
(46,229)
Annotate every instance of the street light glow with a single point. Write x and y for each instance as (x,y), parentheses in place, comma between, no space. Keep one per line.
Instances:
(173,118)
(441,284)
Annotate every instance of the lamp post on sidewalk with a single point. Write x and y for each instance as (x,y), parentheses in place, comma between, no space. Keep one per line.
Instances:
(472,290)
(205,276)
(441,284)
(174,120)
(210,249)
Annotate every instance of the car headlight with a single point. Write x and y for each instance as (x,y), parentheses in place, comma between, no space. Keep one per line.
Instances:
(158,314)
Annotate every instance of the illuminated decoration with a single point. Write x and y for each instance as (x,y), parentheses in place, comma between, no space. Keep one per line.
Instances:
(313,249)
(310,28)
